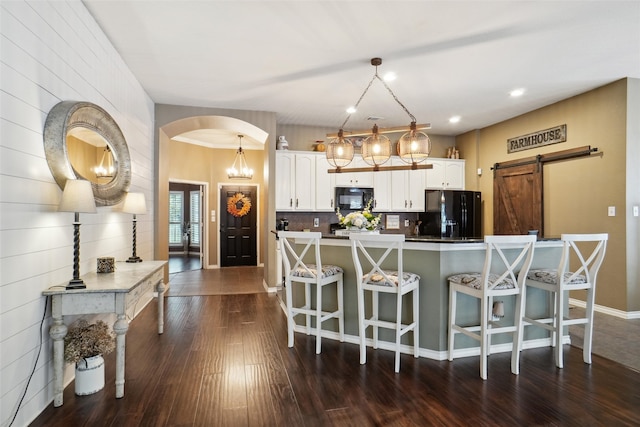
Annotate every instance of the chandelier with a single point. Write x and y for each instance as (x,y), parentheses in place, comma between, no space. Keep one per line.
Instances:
(106,168)
(413,147)
(239,168)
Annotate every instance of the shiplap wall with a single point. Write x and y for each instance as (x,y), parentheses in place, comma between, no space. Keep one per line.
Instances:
(52,51)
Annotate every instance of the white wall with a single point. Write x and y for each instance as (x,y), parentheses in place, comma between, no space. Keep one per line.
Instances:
(52,51)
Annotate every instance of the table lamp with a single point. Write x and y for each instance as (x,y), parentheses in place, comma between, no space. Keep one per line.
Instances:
(77,197)
(134,204)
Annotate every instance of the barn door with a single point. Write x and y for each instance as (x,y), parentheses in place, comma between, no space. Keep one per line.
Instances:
(517,199)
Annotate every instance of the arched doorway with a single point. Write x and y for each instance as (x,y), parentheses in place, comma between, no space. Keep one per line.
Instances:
(198,161)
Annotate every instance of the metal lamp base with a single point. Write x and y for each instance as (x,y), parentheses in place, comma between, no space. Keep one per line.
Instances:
(134,259)
(76,284)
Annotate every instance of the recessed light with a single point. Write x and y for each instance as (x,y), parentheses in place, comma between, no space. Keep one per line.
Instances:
(454,119)
(351,110)
(517,92)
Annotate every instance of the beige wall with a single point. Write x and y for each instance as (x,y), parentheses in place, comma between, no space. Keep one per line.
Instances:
(576,192)
(201,164)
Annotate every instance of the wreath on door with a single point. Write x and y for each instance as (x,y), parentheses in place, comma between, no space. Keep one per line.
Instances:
(238,205)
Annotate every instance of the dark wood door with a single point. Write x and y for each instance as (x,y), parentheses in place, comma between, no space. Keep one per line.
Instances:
(517,200)
(238,225)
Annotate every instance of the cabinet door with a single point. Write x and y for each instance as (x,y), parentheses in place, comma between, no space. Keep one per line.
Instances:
(435,176)
(355,179)
(305,185)
(415,189)
(399,183)
(325,185)
(454,174)
(382,191)
(285,180)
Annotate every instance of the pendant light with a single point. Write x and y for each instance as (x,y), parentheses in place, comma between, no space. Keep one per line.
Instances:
(413,147)
(376,148)
(239,168)
(106,167)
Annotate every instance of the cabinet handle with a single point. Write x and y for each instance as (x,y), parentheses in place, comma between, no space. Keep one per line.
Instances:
(375,203)
(405,203)
(296,202)
(410,203)
(331,202)
(290,203)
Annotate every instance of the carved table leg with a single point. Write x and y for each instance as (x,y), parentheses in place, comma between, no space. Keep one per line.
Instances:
(120,328)
(57,332)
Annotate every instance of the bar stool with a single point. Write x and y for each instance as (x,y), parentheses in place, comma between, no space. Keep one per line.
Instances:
(559,282)
(366,250)
(294,246)
(499,278)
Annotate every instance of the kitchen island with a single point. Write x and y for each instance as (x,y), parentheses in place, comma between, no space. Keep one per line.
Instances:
(435,260)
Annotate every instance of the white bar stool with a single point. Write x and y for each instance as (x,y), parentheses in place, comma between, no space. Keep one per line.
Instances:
(559,282)
(499,277)
(294,246)
(365,249)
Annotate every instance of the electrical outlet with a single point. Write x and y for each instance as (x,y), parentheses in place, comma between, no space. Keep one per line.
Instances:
(406,222)
(316,222)
(635,211)
(612,211)
(213,216)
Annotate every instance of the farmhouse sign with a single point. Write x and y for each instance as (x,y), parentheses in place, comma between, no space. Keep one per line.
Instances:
(537,139)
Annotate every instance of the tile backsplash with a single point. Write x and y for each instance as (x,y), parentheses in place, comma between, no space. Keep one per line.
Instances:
(299,221)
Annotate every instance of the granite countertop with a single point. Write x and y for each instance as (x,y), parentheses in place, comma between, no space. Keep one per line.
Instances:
(432,239)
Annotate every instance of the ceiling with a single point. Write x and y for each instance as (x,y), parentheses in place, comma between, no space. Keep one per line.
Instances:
(307,61)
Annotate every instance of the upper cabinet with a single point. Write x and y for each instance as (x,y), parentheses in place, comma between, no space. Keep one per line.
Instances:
(303,182)
(445,174)
(295,181)
(355,179)
(325,185)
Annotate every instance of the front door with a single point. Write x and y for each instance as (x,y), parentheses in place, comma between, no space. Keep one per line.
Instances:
(517,199)
(238,215)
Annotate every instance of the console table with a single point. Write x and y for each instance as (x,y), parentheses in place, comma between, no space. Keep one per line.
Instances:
(118,292)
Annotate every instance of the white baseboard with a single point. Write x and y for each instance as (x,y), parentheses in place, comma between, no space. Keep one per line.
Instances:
(627,315)
(424,352)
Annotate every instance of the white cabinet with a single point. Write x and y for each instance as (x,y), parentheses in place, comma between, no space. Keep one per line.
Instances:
(355,179)
(325,185)
(382,191)
(445,174)
(295,181)
(407,188)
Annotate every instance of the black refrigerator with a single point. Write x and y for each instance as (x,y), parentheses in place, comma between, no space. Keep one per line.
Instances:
(451,213)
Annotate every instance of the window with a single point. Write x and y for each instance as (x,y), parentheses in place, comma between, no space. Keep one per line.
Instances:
(176,207)
(194,215)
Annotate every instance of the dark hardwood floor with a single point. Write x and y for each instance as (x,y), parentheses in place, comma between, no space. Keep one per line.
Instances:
(223,360)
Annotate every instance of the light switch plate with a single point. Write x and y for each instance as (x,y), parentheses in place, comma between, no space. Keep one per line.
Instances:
(612,211)
(635,211)
(316,222)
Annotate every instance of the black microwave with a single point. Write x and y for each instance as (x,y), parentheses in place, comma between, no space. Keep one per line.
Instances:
(353,198)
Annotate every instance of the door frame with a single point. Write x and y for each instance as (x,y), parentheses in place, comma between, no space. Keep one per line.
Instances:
(204,218)
(257,206)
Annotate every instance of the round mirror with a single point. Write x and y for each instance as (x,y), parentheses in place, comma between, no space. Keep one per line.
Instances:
(82,141)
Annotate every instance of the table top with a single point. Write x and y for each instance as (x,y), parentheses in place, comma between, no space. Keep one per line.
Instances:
(126,277)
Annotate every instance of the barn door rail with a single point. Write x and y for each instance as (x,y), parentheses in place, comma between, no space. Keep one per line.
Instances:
(546,158)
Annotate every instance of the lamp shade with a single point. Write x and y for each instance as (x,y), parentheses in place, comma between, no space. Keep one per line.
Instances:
(77,197)
(376,148)
(414,146)
(339,151)
(134,203)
